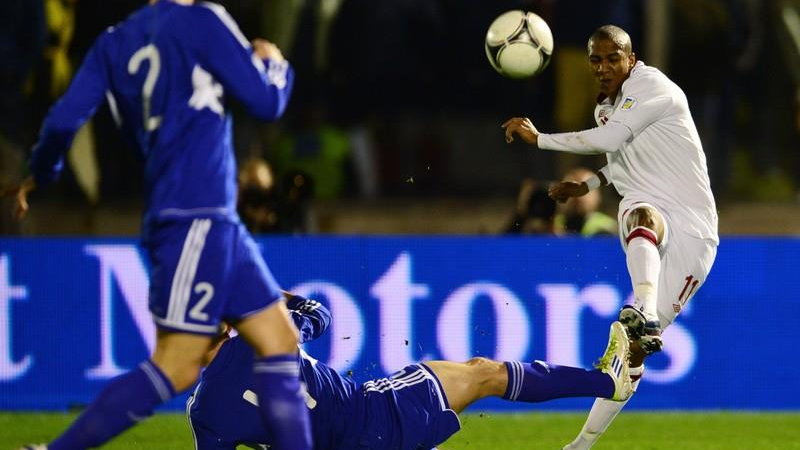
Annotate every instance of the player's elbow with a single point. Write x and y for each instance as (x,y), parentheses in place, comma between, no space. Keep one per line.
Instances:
(271,101)
(613,136)
(60,126)
(267,111)
(608,147)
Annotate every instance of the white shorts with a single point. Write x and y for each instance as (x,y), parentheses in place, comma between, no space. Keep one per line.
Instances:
(685,263)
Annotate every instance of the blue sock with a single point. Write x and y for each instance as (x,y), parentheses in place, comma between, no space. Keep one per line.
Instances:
(283,408)
(125,401)
(539,382)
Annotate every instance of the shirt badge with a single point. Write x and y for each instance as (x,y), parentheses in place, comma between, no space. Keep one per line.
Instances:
(628,103)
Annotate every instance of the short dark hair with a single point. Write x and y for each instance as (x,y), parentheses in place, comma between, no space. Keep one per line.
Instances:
(614,34)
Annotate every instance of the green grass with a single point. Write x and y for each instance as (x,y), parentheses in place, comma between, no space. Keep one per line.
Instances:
(640,431)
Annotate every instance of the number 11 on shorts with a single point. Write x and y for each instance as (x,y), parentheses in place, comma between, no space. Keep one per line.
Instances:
(685,296)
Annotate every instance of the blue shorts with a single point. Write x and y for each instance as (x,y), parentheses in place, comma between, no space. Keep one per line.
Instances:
(205,271)
(407,411)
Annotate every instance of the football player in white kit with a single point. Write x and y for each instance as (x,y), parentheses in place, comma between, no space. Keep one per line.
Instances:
(667,216)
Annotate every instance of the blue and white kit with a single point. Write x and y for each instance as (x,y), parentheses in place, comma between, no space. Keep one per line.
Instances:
(165,72)
(407,411)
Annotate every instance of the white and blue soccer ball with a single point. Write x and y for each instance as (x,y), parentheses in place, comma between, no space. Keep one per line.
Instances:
(519,44)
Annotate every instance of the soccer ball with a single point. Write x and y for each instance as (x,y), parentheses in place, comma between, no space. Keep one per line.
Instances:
(519,44)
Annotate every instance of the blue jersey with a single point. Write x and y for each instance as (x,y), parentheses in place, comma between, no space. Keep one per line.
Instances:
(407,411)
(165,72)
(224,405)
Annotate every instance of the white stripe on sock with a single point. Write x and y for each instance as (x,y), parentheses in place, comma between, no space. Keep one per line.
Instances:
(156,380)
(512,379)
(520,378)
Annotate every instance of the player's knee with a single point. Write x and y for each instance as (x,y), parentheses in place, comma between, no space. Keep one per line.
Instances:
(490,375)
(648,219)
(479,362)
(182,376)
(282,342)
(270,332)
(644,216)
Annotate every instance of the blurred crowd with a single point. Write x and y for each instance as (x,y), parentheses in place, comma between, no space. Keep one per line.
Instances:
(395,98)
(536,213)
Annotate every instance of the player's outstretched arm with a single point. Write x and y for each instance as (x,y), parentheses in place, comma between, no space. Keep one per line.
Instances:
(605,139)
(522,127)
(69,113)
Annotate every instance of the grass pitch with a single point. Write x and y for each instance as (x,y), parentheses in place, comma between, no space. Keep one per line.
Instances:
(641,431)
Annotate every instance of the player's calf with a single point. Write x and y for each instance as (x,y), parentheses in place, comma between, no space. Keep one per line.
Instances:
(644,233)
(125,401)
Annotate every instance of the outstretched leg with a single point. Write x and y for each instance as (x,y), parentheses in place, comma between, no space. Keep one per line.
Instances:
(464,383)
(132,397)
(643,230)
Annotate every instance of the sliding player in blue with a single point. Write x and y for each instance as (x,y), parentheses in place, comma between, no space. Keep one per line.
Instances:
(166,72)
(416,408)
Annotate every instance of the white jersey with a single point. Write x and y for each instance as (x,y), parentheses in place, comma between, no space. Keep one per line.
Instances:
(653,149)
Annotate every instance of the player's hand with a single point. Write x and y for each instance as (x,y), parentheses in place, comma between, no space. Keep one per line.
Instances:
(564,190)
(20,195)
(265,49)
(523,127)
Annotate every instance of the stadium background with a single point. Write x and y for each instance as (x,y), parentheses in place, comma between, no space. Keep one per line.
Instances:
(395,123)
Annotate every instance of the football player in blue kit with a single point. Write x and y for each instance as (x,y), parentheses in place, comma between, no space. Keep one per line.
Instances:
(416,408)
(165,72)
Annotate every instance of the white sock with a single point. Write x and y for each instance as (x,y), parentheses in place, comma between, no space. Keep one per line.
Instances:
(600,417)
(644,266)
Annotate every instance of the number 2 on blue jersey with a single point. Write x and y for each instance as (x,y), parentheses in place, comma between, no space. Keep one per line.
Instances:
(150,53)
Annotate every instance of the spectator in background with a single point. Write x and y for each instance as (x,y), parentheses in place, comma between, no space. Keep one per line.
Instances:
(297,191)
(535,211)
(582,215)
(317,148)
(257,204)
(267,206)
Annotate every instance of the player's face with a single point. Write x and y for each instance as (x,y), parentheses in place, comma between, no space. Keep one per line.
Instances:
(610,65)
